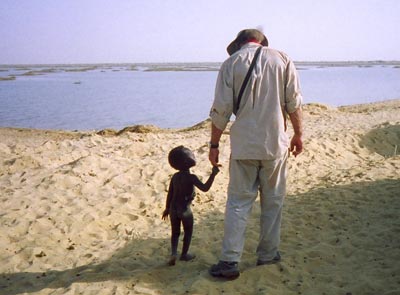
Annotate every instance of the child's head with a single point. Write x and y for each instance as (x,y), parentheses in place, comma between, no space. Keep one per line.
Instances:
(181,158)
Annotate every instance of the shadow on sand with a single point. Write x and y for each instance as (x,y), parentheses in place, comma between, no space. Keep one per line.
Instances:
(332,216)
(384,140)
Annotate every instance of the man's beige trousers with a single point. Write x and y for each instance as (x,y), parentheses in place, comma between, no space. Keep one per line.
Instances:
(247,178)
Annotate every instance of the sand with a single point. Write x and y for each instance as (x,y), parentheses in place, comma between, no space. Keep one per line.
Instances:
(81,211)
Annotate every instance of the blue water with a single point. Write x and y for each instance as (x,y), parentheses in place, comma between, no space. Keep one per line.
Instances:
(338,86)
(116,96)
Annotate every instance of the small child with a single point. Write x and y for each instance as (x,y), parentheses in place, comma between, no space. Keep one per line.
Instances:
(180,196)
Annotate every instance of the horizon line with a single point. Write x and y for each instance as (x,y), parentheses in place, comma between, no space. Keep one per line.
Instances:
(395,62)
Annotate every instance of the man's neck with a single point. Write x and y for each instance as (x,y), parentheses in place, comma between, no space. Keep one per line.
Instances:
(253,41)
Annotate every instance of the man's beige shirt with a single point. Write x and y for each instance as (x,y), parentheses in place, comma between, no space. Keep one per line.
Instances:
(259,130)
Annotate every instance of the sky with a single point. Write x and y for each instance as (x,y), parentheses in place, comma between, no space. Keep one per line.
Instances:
(140,31)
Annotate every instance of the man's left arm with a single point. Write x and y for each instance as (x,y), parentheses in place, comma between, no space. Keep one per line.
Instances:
(296,144)
(293,101)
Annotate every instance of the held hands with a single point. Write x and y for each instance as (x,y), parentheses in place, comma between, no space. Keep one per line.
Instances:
(215,170)
(296,145)
(213,157)
(165,214)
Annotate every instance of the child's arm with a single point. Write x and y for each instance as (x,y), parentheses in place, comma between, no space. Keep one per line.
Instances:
(168,203)
(205,186)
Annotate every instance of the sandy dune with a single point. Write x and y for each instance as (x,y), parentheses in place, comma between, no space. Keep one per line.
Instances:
(81,211)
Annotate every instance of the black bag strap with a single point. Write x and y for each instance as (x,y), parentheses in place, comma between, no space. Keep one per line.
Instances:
(246,79)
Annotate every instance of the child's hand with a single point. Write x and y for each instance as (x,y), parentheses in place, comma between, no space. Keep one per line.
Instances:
(215,170)
(165,214)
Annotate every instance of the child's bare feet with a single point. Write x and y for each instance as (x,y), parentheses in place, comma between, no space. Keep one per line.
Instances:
(172,260)
(187,257)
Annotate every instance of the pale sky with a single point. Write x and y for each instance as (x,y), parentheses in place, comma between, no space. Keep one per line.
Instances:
(129,31)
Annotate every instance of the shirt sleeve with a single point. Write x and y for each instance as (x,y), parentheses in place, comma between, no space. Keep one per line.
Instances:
(222,108)
(293,97)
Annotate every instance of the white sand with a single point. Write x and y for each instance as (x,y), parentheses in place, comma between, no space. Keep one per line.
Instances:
(81,212)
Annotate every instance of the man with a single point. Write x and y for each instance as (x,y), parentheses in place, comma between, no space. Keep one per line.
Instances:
(259,143)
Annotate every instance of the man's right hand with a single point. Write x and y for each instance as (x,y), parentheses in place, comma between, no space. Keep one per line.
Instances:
(214,152)
(213,157)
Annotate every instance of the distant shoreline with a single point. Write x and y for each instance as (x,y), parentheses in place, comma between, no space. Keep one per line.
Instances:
(41,69)
(196,64)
